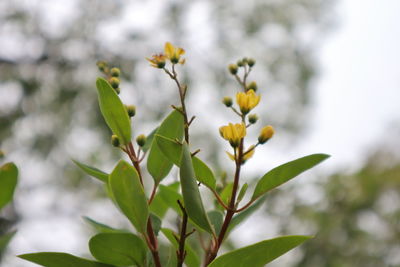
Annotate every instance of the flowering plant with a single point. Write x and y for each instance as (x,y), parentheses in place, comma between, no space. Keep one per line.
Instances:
(167,146)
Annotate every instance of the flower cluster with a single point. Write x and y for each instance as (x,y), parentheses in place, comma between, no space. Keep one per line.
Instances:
(246,101)
(171,53)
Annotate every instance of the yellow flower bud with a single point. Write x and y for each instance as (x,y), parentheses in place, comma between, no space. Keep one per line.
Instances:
(157,61)
(102,65)
(141,140)
(251,62)
(115,140)
(114,81)
(233,133)
(252,86)
(253,118)
(115,72)
(266,133)
(247,101)
(174,53)
(227,101)
(131,109)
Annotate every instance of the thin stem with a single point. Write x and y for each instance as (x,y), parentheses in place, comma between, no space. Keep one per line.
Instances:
(153,192)
(220,201)
(181,253)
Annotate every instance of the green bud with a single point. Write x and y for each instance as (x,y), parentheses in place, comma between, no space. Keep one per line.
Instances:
(252,85)
(131,109)
(141,140)
(114,81)
(253,118)
(102,65)
(251,62)
(233,68)
(240,63)
(115,72)
(117,90)
(115,140)
(245,60)
(227,101)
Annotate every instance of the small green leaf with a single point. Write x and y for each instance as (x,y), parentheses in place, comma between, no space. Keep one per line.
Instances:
(156,223)
(102,228)
(190,191)
(285,172)
(158,164)
(113,111)
(4,240)
(129,195)
(170,197)
(119,249)
(242,193)
(172,150)
(58,259)
(227,193)
(92,171)
(191,259)
(216,219)
(259,254)
(8,182)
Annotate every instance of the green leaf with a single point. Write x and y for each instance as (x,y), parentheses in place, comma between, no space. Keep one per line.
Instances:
(285,172)
(191,259)
(259,254)
(158,164)
(8,182)
(216,219)
(190,191)
(158,206)
(119,249)
(149,140)
(227,193)
(113,111)
(242,193)
(129,195)
(5,239)
(203,173)
(170,197)
(172,150)
(156,223)
(58,259)
(102,228)
(92,171)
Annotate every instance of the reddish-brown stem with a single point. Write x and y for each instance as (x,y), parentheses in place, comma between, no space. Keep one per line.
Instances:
(220,201)
(231,211)
(153,193)
(181,252)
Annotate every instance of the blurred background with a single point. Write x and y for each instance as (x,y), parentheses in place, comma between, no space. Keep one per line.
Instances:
(328,73)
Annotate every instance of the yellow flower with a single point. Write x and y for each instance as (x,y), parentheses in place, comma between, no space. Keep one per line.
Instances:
(266,133)
(246,155)
(233,133)
(247,101)
(157,61)
(174,53)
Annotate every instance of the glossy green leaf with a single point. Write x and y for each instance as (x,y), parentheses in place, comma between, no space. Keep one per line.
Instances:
(191,259)
(158,206)
(8,182)
(216,218)
(102,228)
(5,239)
(119,249)
(113,111)
(285,172)
(129,195)
(173,150)
(58,259)
(158,164)
(170,197)
(92,171)
(259,254)
(156,223)
(190,191)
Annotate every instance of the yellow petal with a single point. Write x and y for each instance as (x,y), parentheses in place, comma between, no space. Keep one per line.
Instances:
(169,50)
(232,157)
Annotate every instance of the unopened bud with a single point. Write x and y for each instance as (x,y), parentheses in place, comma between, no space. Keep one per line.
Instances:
(102,65)
(240,63)
(251,62)
(253,118)
(115,72)
(233,68)
(227,101)
(114,81)
(131,109)
(115,140)
(266,133)
(117,90)
(141,140)
(252,85)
